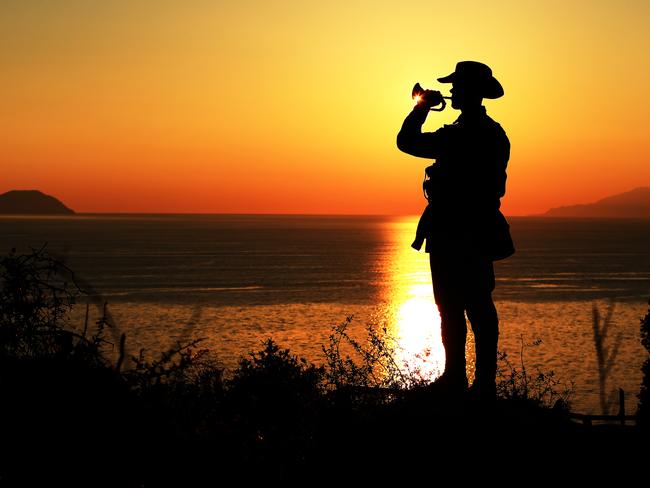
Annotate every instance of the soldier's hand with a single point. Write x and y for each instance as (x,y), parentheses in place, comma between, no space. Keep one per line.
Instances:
(430,98)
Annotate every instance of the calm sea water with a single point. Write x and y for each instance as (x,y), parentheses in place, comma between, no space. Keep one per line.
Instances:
(237,279)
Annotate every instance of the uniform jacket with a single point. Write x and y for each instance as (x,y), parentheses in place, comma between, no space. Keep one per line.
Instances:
(465,183)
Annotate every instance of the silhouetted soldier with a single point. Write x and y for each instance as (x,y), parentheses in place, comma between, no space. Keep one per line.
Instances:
(463,226)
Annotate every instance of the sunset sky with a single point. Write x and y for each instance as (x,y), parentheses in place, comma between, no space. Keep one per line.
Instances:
(293,106)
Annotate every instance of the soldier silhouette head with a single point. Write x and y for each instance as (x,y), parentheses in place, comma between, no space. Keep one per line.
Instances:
(471,83)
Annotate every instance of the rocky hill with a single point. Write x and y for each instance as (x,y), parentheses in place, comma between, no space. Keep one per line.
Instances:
(31,202)
(631,204)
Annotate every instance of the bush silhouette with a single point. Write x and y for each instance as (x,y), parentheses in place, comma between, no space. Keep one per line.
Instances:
(180,418)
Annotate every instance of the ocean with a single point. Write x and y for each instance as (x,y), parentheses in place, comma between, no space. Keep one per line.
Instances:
(236,280)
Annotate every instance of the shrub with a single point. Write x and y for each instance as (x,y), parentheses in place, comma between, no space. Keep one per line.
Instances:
(274,386)
(36,295)
(373,363)
(541,388)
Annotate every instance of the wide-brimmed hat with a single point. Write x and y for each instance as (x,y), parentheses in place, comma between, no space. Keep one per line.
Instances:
(478,75)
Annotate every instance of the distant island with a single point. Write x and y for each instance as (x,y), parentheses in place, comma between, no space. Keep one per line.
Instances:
(631,204)
(31,202)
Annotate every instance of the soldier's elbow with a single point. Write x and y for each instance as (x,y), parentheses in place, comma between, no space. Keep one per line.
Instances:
(403,143)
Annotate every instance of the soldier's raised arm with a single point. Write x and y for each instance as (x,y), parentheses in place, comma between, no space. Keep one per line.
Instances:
(413,141)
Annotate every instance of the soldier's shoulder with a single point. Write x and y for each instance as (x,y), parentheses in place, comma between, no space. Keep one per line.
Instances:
(496,126)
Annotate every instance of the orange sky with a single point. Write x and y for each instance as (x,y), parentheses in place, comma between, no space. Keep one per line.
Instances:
(204,106)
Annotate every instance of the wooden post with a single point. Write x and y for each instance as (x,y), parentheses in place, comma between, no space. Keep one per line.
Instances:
(621,405)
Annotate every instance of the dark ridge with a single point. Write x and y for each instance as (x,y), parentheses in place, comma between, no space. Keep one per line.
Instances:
(31,202)
(631,204)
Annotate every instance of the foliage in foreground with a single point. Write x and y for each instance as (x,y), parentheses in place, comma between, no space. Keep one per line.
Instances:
(38,293)
(541,388)
(272,411)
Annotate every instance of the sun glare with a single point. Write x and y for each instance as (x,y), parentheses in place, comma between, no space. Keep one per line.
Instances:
(415,321)
(417,325)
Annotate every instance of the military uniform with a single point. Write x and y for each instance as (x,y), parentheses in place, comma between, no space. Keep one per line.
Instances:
(464,228)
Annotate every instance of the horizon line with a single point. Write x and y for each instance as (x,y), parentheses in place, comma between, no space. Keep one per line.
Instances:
(292,214)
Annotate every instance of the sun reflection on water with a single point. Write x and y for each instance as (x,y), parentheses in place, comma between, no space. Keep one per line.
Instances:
(413,317)
(417,327)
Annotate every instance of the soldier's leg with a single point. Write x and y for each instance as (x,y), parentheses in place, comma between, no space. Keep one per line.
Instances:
(454,335)
(448,297)
(483,317)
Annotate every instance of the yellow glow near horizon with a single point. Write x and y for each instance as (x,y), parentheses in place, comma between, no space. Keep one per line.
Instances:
(226,106)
